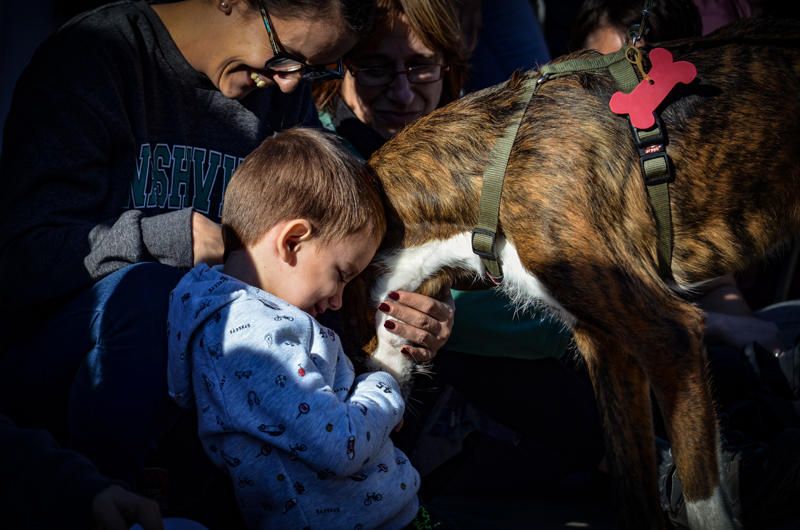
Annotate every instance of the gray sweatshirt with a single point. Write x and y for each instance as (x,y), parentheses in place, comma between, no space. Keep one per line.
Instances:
(305,442)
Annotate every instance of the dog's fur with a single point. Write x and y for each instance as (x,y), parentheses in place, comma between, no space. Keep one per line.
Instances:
(579,232)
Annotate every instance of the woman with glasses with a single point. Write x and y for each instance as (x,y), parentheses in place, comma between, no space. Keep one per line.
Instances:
(411,63)
(123,134)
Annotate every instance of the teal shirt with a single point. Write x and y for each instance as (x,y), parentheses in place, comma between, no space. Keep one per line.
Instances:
(485,324)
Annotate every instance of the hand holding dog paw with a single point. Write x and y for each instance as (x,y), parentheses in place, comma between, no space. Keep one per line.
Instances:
(422,320)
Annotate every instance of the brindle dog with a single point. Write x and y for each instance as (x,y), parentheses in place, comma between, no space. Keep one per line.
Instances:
(580,234)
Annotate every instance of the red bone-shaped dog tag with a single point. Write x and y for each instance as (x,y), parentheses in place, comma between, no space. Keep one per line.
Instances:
(643,100)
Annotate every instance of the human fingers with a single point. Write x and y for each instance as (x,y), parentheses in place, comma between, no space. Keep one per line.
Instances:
(106,510)
(418,311)
(207,244)
(148,515)
(418,353)
(115,507)
(439,310)
(422,320)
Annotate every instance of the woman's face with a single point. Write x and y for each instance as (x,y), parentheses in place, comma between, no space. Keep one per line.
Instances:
(246,48)
(605,39)
(389,108)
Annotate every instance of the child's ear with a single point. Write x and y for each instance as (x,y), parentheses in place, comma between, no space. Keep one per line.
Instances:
(292,237)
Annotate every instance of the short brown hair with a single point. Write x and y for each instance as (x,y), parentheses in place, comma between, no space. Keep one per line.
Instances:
(301,173)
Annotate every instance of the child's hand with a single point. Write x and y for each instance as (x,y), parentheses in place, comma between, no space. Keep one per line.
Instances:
(116,508)
(422,320)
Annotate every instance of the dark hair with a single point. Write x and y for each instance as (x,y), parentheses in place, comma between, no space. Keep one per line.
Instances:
(301,173)
(357,13)
(668,19)
(436,24)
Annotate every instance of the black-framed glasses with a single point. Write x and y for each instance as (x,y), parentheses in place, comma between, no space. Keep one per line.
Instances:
(283,62)
(418,74)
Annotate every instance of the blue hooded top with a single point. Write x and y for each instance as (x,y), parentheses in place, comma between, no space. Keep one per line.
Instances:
(305,442)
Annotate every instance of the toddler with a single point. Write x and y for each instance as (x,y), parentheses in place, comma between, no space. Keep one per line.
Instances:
(305,442)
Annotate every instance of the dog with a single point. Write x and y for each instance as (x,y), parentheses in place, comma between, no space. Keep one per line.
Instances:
(578,234)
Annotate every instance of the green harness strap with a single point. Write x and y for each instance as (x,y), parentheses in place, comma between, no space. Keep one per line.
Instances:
(657,176)
(484,236)
(650,143)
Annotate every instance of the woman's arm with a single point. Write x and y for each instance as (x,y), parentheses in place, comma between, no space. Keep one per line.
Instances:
(730,320)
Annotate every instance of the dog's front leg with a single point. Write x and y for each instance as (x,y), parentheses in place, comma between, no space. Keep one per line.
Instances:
(429,269)
(387,355)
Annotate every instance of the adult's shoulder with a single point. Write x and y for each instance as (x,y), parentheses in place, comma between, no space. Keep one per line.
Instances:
(115,27)
(108,39)
(95,63)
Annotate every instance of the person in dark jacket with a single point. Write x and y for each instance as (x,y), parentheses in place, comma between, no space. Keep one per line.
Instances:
(45,486)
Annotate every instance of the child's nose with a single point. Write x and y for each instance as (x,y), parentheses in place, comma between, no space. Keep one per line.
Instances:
(335,302)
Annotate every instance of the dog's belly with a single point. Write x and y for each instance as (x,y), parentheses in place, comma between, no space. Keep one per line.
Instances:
(410,267)
(523,288)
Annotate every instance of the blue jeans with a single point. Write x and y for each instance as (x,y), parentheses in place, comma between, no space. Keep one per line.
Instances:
(95,373)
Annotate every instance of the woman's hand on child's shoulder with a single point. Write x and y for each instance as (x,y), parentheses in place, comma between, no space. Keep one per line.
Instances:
(424,321)
(207,245)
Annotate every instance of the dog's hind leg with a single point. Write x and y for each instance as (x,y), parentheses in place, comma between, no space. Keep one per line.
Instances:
(623,400)
(677,368)
(661,343)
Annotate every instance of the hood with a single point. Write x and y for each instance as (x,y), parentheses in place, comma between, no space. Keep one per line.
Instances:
(198,297)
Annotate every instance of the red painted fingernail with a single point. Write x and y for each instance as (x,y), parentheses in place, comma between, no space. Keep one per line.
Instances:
(389,324)
(384,307)
(394,296)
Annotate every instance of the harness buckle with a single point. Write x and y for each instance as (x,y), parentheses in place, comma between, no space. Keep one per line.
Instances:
(653,135)
(482,252)
(655,164)
(653,159)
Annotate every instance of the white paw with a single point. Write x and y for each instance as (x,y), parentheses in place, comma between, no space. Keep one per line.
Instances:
(389,358)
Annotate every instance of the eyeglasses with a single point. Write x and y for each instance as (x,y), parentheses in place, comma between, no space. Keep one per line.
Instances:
(418,74)
(283,62)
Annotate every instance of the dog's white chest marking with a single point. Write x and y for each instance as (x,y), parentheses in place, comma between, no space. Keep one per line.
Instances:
(411,266)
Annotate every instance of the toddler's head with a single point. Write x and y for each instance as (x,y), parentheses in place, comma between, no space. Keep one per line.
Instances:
(302,216)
